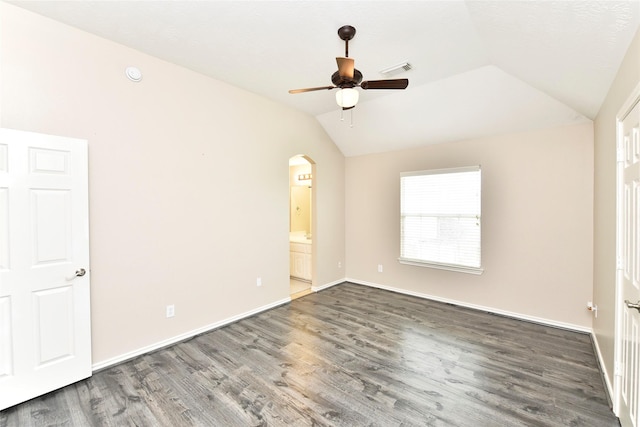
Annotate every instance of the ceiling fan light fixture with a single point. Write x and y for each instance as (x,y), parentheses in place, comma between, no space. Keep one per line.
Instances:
(347,97)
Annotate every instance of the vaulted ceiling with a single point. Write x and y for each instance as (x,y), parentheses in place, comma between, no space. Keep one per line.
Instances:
(479,68)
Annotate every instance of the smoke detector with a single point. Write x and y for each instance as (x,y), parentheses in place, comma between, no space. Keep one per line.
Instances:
(134,74)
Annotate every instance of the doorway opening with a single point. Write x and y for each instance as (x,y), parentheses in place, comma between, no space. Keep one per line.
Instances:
(301,225)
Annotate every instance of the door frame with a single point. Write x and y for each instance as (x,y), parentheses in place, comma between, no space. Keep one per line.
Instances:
(314,211)
(626,108)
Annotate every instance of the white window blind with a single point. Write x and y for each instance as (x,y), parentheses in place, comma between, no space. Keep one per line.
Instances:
(440,218)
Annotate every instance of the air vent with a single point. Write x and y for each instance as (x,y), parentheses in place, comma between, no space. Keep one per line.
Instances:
(396,69)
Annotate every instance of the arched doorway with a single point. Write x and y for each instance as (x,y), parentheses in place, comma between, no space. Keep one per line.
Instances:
(301,225)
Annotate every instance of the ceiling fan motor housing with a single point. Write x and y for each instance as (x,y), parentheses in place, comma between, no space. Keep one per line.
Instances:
(343,82)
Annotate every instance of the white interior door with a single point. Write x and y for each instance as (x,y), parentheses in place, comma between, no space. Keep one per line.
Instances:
(45,331)
(628,332)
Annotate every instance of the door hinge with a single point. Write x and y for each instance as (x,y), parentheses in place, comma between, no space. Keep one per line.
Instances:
(619,263)
(617,369)
(619,154)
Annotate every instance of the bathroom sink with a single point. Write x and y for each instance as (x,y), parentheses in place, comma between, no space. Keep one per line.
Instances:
(300,239)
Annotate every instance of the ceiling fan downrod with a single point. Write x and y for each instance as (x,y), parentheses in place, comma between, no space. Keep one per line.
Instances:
(346,33)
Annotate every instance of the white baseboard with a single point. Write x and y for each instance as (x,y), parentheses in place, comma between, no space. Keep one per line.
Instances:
(328,285)
(170,341)
(173,340)
(602,365)
(518,316)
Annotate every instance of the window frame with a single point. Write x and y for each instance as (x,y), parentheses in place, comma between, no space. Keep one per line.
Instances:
(462,268)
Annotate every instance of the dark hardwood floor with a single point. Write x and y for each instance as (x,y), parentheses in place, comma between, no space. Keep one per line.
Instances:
(347,356)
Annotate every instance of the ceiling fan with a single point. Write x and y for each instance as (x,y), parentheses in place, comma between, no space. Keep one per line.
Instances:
(347,78)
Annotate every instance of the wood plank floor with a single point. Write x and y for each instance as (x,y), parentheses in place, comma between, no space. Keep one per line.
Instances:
(347,356)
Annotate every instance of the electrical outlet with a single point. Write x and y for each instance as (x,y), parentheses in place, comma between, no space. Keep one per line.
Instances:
(259,281)
(339,264)
(171,310)
(379,268)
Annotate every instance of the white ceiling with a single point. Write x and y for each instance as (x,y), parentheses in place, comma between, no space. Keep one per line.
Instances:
(479,67)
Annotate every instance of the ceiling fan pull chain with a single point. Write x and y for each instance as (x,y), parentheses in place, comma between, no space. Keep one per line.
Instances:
(341,115)
(351,125)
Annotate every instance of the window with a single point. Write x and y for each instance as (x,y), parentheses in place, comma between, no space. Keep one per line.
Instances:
(440,219)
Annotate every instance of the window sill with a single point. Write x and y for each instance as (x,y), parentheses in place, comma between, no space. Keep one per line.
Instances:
(449,267)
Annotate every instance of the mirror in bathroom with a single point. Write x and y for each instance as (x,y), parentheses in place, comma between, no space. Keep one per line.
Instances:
(301,209)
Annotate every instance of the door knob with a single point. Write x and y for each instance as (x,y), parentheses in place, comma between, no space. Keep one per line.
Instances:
(81,272)
(630,304)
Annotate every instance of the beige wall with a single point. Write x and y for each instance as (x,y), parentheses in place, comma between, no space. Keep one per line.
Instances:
(189,181)
(627,79)
(536,226)
(190,194)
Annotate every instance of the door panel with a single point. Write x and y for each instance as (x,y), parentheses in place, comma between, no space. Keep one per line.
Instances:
(3,157)
(45,330)
(49,161)
(53,309)
(4,229)
(51,221)
(6,365)
(630,362)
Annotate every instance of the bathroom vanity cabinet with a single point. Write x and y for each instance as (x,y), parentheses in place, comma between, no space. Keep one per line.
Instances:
(300,262)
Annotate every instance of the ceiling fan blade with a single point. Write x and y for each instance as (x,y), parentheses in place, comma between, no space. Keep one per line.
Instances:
(310,89)
(345,67)
(385,84)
